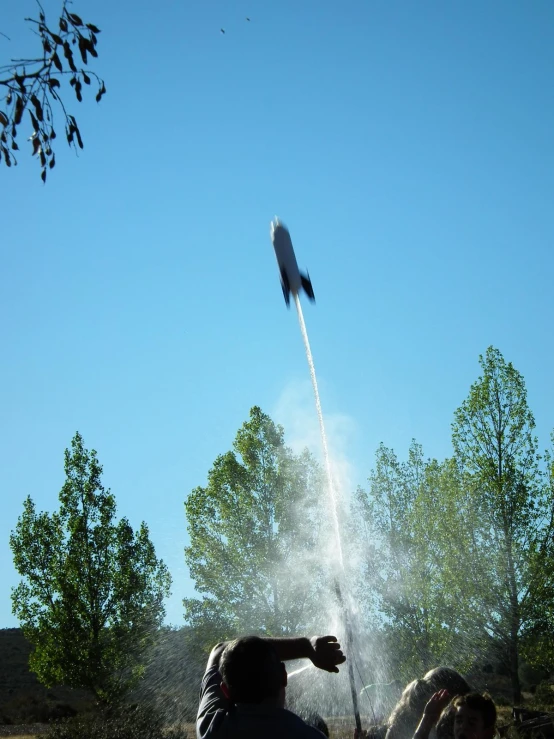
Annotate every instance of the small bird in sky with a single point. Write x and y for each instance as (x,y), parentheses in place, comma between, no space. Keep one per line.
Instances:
(222,30)
(248,19)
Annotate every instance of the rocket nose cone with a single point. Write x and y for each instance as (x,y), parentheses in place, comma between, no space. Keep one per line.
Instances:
(275,223)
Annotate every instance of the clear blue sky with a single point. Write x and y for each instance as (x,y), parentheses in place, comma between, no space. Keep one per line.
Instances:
(409,148)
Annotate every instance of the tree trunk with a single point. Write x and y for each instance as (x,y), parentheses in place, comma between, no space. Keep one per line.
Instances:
(514,669)
(514,628)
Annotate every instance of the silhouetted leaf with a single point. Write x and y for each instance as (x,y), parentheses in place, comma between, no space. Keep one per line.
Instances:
(3,119)
(57,39)
(69,56)
(69,135)
(9,98)
(19,79)
(43,159)
(34,122)
(78,92)
(75,19)
(52,163)
(86,78)
(57,63)
(52,134)
(53,82)
(36,145)
(38,107)
(73,81)
(93,28)
(7,156)
(43,175)
(63,25)
(19,108)
(46,45)
(83,48)
(3,137)
(15,147)
(101,92)
(79,139)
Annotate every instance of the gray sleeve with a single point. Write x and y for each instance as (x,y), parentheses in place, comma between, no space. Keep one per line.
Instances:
(213,705)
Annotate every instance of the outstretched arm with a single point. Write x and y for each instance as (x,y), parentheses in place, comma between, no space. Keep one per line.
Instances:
(323,651)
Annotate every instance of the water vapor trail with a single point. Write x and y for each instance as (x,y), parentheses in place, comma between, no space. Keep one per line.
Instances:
(334,509)
(297,672)
(330,483)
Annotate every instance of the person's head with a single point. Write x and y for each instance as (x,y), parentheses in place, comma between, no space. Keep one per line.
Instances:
(407,712)
(446,678)
(251,672)
(474,716)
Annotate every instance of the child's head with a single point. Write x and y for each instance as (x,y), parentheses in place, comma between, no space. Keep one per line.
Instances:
(474,716)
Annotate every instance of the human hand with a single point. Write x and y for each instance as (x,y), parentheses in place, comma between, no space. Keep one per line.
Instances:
(435,705)
(326,653)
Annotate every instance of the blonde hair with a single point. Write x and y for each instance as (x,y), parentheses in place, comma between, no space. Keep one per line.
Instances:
(405,716)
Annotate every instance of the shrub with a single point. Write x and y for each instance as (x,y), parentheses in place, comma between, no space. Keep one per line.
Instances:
(123,722)
(531,675)
(543,695)
(26,708)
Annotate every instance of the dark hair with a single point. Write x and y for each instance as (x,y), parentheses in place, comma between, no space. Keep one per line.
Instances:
(251,670)
(484,704)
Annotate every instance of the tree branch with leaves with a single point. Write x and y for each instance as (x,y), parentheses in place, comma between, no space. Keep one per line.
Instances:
(35,86)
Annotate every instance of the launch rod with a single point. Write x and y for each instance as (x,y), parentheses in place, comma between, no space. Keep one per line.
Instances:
(350,656)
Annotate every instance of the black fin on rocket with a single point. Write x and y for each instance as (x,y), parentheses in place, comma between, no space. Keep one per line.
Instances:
(285,284)
(307,286)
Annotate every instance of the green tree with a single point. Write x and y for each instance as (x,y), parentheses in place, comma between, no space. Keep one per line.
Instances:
(171,690)
(402,586)
(253,531)
(35,86)
(500,562)
(91,600)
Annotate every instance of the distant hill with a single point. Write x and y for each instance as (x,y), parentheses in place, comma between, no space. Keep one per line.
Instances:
(22,698)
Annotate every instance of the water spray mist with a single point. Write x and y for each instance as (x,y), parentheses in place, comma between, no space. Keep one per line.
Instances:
(334,509)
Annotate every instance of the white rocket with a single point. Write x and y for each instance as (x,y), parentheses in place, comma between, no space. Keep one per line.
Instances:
(292,280)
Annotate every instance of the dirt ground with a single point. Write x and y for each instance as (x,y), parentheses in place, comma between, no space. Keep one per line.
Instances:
(30,731)
(23,730)
(339,727)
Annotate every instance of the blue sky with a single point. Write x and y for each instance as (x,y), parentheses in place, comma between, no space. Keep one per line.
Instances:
(408,147)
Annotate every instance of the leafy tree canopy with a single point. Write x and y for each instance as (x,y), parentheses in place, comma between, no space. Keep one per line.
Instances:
(91,600)
(254,530)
